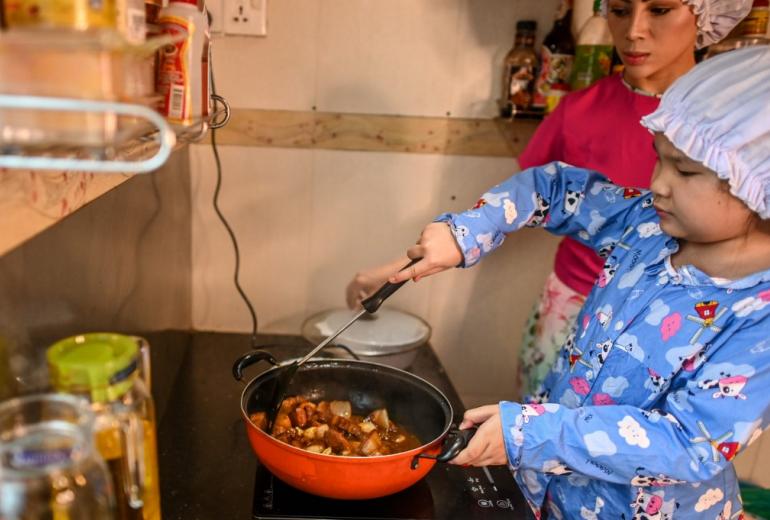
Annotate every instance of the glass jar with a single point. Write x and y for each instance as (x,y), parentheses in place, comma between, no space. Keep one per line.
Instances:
(49,467)
(112,371)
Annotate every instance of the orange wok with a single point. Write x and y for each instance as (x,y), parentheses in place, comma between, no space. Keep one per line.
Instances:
(412,402)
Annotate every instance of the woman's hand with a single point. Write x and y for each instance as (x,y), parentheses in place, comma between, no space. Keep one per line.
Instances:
(486,447)
(438,250)
(366,282)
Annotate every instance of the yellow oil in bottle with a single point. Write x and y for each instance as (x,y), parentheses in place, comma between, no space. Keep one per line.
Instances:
(109,446)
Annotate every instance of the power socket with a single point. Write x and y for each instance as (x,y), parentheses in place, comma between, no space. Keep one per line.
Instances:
(245,17)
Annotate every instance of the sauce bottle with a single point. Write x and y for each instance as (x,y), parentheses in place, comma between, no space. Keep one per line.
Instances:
(519,71)
(183,66)
(556,57)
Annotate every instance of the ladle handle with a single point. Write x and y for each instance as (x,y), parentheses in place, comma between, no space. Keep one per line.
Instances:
(373,302)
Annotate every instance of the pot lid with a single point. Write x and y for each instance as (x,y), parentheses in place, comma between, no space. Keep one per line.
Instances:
(388,331)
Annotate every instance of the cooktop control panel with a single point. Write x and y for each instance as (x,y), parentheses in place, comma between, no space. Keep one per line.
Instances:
(448,492)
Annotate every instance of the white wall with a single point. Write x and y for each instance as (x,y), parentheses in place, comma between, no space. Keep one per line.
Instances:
(307,220)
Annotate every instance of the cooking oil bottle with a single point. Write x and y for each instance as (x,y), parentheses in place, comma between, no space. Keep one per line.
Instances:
(112,371)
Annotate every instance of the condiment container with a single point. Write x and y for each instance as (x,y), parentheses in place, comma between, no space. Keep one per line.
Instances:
(112,372)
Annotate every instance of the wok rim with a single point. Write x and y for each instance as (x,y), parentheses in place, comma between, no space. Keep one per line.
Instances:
(352,459)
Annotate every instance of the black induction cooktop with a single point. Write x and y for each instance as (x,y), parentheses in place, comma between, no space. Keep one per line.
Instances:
(209,471)
(447,492)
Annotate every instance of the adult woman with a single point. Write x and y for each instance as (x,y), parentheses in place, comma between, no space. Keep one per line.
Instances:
(598,128)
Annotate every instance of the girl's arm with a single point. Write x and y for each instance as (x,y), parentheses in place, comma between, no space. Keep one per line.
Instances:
(720,409)
(560,198)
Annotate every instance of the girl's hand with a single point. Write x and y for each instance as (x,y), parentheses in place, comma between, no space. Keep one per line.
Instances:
(486,447)
(438,249)
(366,282)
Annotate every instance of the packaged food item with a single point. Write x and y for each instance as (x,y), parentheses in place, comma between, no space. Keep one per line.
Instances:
(519,71)
(593,52)
(556,57)
(183,66)
(130,20)
(80,15)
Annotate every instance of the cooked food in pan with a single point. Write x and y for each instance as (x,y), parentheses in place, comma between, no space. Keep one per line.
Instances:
(331,428)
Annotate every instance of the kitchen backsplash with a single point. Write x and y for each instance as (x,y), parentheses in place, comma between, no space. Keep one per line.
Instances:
(121,262)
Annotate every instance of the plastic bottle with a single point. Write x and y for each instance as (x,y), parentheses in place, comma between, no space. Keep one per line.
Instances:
(183,66)
(519,71)
(556,57)
(593,53)
(581,12)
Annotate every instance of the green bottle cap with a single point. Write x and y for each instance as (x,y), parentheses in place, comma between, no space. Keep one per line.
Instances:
(100,364)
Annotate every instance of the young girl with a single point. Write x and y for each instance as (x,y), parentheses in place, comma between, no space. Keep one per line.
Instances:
(598,128)
(665,377)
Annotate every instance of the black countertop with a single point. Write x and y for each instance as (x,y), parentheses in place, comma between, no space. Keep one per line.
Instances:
(207,467)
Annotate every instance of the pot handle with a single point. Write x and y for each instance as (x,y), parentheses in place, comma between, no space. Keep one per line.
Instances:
(250,358)
(450,448)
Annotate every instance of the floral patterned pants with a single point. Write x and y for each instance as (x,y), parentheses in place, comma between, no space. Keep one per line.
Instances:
(547,328)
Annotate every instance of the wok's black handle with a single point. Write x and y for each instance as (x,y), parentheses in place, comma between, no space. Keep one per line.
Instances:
(373,302)
(451,448)
(250,358)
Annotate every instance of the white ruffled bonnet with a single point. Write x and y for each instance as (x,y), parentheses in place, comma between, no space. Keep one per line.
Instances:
(719,114)
(715,18)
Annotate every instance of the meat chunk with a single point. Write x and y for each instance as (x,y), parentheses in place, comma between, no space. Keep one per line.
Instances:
(337,441)
(259,420)
(331,428)
(281,424)
(298,417)
(347,426)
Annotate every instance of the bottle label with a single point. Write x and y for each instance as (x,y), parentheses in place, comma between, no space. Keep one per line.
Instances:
(520,83)
(554,72)
(174,72)
(592,62)
(39,459)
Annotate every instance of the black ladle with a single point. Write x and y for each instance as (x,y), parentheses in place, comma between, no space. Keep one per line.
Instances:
(283,377)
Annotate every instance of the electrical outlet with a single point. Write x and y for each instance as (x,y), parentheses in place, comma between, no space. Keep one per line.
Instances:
(246,17)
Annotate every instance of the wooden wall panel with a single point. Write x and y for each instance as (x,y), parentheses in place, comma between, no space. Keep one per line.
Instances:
(376,133)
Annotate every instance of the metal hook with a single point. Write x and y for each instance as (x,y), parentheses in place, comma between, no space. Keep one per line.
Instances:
(214,124)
